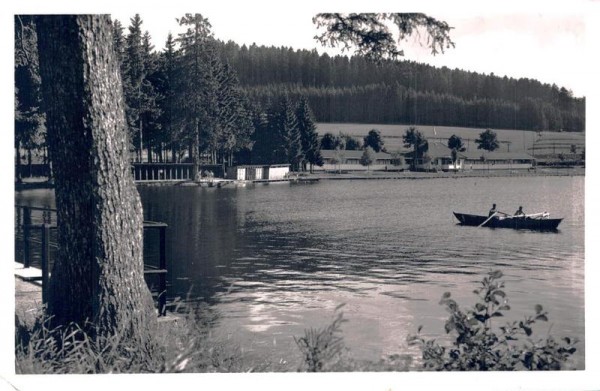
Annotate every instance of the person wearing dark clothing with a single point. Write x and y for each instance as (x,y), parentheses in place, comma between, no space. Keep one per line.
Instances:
(493,210)
(520,212)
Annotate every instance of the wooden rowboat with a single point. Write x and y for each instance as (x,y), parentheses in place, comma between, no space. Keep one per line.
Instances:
(536,221)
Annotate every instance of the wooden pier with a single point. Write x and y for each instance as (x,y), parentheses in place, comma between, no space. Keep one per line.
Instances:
(24,236)
(171,172)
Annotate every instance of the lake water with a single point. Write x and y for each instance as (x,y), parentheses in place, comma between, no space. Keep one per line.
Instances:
(273,260)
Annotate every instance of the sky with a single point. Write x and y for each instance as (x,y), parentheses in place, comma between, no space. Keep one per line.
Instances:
(546,44)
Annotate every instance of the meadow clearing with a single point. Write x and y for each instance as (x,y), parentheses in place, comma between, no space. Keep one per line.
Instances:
(510,140)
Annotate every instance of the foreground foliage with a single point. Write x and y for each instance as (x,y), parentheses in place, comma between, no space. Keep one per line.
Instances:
(478,346)
(321,347)
(188,345)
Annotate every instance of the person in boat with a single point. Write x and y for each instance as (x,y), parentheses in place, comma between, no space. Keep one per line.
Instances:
(493,210)
(520,212)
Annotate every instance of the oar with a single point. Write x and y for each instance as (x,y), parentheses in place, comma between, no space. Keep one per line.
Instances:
(488,219)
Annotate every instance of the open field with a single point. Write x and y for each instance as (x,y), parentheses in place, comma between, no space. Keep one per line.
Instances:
(510,140)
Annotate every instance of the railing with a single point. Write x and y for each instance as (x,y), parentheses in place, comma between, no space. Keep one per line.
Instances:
(24,221)
(25,170)
(143,172)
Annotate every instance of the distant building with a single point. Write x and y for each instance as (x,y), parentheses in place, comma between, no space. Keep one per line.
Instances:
(344,160)
(258,172)
(483,160)
(439,158)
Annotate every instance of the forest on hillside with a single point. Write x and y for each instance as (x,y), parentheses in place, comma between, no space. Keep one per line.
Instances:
(343,89)
(200,99)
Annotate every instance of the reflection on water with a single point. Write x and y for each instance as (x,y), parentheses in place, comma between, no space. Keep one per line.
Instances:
(275,259)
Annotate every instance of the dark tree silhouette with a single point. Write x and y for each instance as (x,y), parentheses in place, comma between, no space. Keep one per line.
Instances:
(488,141)
(415,139)
(456,145)
(329,141)
(373,139)
(308,135)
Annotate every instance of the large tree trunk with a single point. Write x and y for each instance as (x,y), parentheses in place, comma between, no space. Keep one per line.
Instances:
(98,272)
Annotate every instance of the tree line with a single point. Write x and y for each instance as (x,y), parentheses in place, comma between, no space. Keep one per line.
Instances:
(183,103)
(201,100)
(392,91)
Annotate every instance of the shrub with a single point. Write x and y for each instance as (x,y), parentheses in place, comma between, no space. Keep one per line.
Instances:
(477,346)
(321,347)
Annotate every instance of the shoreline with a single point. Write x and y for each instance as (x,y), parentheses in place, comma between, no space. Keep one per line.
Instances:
(396,175)
(301,177)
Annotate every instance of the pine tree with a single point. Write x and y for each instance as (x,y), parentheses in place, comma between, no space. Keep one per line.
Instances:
(149,109)
(119,44)
(309,137)
(195,85)
(30,131)
(290,151)
(234,121)
(132,87)
(167,97)
(263,140)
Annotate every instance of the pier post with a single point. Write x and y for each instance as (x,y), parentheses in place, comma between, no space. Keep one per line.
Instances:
(45,260)
(162,285)
(26,234)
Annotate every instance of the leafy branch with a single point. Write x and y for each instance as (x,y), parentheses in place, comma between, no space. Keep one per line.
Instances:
(477,346)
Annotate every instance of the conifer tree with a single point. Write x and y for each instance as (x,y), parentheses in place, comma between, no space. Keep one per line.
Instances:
(132,87)
(309,137)
(290,150)
(150,111)
(30,130)
(234,122)
(166,97)
(263,140)
(119,44)
(194,82)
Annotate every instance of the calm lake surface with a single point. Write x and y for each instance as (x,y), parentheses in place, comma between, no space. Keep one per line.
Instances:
(273,260)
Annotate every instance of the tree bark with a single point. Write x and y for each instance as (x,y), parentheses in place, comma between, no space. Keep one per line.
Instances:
(97,280)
